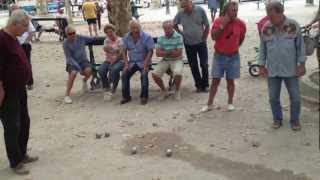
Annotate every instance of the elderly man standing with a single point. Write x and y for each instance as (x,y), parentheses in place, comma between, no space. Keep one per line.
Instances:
(169,47)
(25,40)
(282,58)
(195,33)
(15,72)
(228,32)
(76,60)
(138,47)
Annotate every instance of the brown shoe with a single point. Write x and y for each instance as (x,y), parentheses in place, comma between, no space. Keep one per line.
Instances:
(143,101)
(276,124)
(30,159)
(295,126)
(20,169)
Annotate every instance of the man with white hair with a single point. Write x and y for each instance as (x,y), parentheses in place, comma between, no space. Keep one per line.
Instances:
(169,47)
(25,40)
(282,58)
(14,74)
(195,31)
(138,47)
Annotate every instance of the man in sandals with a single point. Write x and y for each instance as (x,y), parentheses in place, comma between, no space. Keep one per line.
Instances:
(282,58)
(169,47)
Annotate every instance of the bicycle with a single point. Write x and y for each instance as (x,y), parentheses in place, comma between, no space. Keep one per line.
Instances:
(311,39)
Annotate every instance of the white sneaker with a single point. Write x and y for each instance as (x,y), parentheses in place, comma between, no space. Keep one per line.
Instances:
(206,108)
(67,100)
(84,86)
(177,95)
(107,96)
(230,107)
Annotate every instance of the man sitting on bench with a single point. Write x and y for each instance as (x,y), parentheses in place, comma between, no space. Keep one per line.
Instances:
(76,60)
(169,47)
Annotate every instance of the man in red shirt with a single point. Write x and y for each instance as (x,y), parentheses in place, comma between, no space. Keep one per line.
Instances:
(15,71)
(228,32)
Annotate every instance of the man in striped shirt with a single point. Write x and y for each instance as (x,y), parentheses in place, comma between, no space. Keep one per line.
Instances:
(169,47)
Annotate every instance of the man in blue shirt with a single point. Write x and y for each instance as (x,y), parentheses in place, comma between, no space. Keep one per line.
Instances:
(282,58)
(138,47)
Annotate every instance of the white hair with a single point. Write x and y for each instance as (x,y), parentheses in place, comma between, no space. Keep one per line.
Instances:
(134,22)
(17,16)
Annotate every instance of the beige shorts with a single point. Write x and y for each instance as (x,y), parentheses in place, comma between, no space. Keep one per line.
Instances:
(163,66)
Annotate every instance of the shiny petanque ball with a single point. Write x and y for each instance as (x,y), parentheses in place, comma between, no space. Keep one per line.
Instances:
(168,152)
(134,150)
(106,135)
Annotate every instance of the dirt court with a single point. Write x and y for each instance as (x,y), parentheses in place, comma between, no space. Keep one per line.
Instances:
(217,145)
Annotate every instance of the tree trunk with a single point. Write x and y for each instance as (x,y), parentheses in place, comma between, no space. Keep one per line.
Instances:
(120,16)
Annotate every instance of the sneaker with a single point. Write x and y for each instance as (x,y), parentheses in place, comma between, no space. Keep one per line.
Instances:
(84,86)
(20,169)
(124,101)
(164,95)
(295,126)
(67,100)
(143,101)
(276,124)
(206,108)
(230,107)
(30,159)
(177,95)
(107,96)
(30,87)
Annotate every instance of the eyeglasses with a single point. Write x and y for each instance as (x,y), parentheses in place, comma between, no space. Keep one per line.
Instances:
(71,33)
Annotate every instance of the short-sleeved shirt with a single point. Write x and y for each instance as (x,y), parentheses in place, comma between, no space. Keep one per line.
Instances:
(23,38)
(15,71)
(282,49)
(228,41)
(138,51)
(89,10)
(193,25)
(173,42)
(116,50)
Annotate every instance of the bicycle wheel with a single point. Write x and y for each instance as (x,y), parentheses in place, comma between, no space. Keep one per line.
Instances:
(254,70)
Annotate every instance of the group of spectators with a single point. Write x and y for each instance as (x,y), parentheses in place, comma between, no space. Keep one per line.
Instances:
(282,59)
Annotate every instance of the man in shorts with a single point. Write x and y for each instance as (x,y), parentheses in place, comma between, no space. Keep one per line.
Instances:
(89,12)
(76,60)
(212,5)
(228,32)
(169,47)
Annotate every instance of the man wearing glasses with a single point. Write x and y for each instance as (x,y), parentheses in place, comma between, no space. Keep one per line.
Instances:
(76,60)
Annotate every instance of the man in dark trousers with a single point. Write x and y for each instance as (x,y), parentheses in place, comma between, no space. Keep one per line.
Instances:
(15,71)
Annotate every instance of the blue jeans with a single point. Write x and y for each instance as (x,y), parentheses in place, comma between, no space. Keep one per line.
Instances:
(201,80)
(292,85)
(126,76)
(113,70)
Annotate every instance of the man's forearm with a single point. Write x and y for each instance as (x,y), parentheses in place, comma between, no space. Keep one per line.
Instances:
(206,33)
(2,93)
(148,57)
